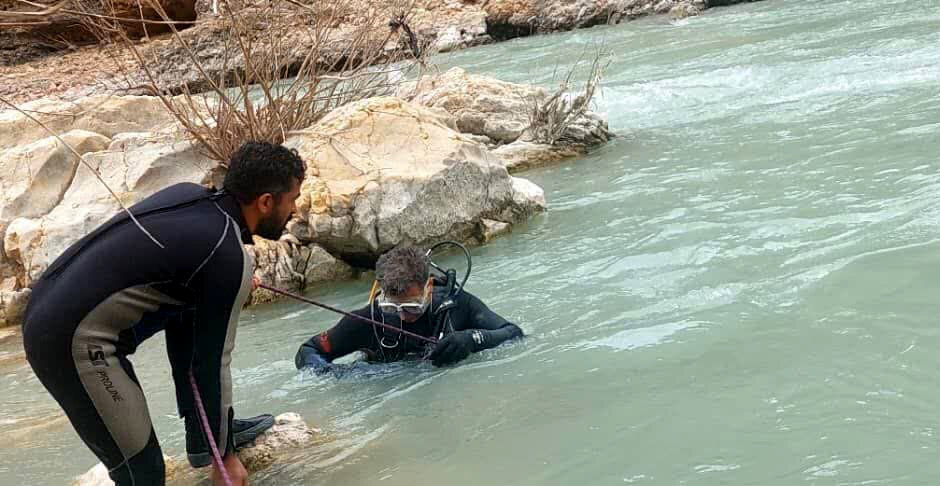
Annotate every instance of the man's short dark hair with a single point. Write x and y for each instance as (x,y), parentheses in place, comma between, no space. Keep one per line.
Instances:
(401,268)
(257,168)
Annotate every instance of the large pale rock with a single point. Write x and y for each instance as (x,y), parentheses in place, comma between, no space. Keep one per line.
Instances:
(522,155)
(383,172)
(451,24)
(498,110)
(320,266)
(288,434)
(482,105)
(287,265)
(514,18)
(134,168)
(105,115)
(34,177)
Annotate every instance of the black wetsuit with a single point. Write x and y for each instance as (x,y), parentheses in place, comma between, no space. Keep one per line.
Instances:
(115,288)
(464,312)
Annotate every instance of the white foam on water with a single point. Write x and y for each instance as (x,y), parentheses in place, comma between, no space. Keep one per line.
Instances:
(641,337)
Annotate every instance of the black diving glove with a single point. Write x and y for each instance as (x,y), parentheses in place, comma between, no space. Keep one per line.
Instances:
(308,358)
(452,348)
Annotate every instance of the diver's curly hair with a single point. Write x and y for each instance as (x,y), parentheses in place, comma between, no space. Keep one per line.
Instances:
(400,268)
(257,168)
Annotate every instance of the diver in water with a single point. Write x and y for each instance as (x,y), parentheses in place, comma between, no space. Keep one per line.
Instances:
(411,299)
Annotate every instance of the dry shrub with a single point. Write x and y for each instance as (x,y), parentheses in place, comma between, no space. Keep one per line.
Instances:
(333,51)
(549,116)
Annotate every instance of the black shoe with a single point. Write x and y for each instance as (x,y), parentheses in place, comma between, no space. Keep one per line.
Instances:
(247,430)
(244,430)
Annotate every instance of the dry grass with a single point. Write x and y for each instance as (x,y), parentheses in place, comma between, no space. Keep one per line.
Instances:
(551,115)
(335,51)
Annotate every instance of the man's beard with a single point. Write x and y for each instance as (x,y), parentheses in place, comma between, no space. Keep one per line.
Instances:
(270,228)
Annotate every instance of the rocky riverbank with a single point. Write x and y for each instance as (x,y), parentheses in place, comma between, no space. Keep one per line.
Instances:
(370,185)
(417,168)
(36,63)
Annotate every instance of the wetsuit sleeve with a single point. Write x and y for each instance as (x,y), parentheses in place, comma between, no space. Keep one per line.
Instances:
(222,285)
(473,314)
(345,337)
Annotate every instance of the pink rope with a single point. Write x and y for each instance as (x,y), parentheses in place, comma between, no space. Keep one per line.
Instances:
(205,426)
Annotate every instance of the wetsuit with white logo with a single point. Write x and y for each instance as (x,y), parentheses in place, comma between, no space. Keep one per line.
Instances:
(115,288)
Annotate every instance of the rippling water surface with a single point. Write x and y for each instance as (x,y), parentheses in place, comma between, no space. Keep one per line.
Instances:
(740,289)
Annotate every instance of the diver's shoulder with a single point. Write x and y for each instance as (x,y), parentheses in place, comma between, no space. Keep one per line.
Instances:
(465,298)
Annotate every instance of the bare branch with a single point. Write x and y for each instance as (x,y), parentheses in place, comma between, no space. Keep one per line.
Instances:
(49,10)
(551,115)
(335,51)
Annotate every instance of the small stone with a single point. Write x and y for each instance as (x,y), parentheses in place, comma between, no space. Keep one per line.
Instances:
(491,229)
(288,434)
(290,238)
